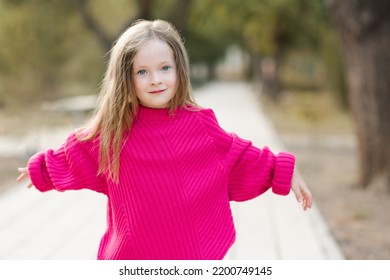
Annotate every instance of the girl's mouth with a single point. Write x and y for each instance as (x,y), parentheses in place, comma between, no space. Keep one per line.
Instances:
(156,91)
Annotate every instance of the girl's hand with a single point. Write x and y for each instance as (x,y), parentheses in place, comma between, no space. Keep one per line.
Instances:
(301,191)
(23,175)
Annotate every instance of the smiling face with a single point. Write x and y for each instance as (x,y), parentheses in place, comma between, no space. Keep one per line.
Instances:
(154,74)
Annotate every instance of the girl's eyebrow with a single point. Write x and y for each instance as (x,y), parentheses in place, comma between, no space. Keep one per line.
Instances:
(160,63)
(166,62)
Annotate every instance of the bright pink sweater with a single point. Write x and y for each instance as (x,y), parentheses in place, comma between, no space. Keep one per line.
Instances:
(177,176)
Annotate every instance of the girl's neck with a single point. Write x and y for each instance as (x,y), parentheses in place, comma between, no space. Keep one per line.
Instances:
(157,114)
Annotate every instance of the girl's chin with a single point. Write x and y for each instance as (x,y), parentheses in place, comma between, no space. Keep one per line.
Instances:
(155,106)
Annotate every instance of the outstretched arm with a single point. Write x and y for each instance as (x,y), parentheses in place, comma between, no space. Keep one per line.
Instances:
(301,191)
(71,167)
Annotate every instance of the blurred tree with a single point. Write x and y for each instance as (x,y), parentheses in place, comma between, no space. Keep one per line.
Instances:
(209,33)
(77,28)
(193,19)
(145,10)
(92,24)
(330,55)
(33,48)
(272,28)
(48,49)
(364,30)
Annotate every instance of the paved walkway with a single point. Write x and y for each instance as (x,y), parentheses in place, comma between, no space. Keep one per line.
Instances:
(69,225)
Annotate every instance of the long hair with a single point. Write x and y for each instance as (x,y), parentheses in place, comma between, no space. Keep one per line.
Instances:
(118,104)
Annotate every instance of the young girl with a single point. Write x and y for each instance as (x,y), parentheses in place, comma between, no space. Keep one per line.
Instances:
(166,166)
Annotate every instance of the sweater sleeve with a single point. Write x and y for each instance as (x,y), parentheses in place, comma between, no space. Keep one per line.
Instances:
(250,171)
(72,167)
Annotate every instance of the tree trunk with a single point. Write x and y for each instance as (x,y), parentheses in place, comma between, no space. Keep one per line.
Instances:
(144,12)
(104,39)
(179,15)
(364,31)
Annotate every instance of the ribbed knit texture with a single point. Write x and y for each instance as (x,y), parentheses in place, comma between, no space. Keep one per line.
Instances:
(177,175)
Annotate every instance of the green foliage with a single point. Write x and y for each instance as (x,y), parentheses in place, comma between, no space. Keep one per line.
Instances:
(33,47)
(28,31)
(335,74)
(46,49)
(206,39)
(275,28)
(270,27)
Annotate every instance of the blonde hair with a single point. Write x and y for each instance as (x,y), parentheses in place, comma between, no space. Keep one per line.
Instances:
(118,104)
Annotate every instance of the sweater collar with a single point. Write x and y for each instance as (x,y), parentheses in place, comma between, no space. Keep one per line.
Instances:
(157,114)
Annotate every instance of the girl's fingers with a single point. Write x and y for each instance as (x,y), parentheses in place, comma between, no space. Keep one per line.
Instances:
(23,170)
(20,178)
(298,196)
(23,175)
(308,200)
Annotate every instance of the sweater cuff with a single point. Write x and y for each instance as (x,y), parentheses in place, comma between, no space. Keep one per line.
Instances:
(284,169)
(38,172)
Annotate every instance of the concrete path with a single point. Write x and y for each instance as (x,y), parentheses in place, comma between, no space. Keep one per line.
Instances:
(69,225)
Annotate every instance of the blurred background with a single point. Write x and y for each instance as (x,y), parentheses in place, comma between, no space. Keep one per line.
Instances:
(320,69)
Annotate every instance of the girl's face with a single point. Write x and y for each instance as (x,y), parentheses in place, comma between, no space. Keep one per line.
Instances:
(154,74)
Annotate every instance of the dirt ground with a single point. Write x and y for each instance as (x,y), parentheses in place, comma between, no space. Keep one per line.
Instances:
(323,141)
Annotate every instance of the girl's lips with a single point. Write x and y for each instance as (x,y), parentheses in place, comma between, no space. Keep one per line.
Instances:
(157,91)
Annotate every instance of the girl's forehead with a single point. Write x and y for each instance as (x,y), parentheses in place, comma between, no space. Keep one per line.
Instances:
(153,44)
(152,50)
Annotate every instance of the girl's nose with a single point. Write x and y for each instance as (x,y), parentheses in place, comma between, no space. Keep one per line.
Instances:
(155,79)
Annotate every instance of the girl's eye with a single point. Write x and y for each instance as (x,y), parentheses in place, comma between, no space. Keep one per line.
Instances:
(141,72)
(166,68)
